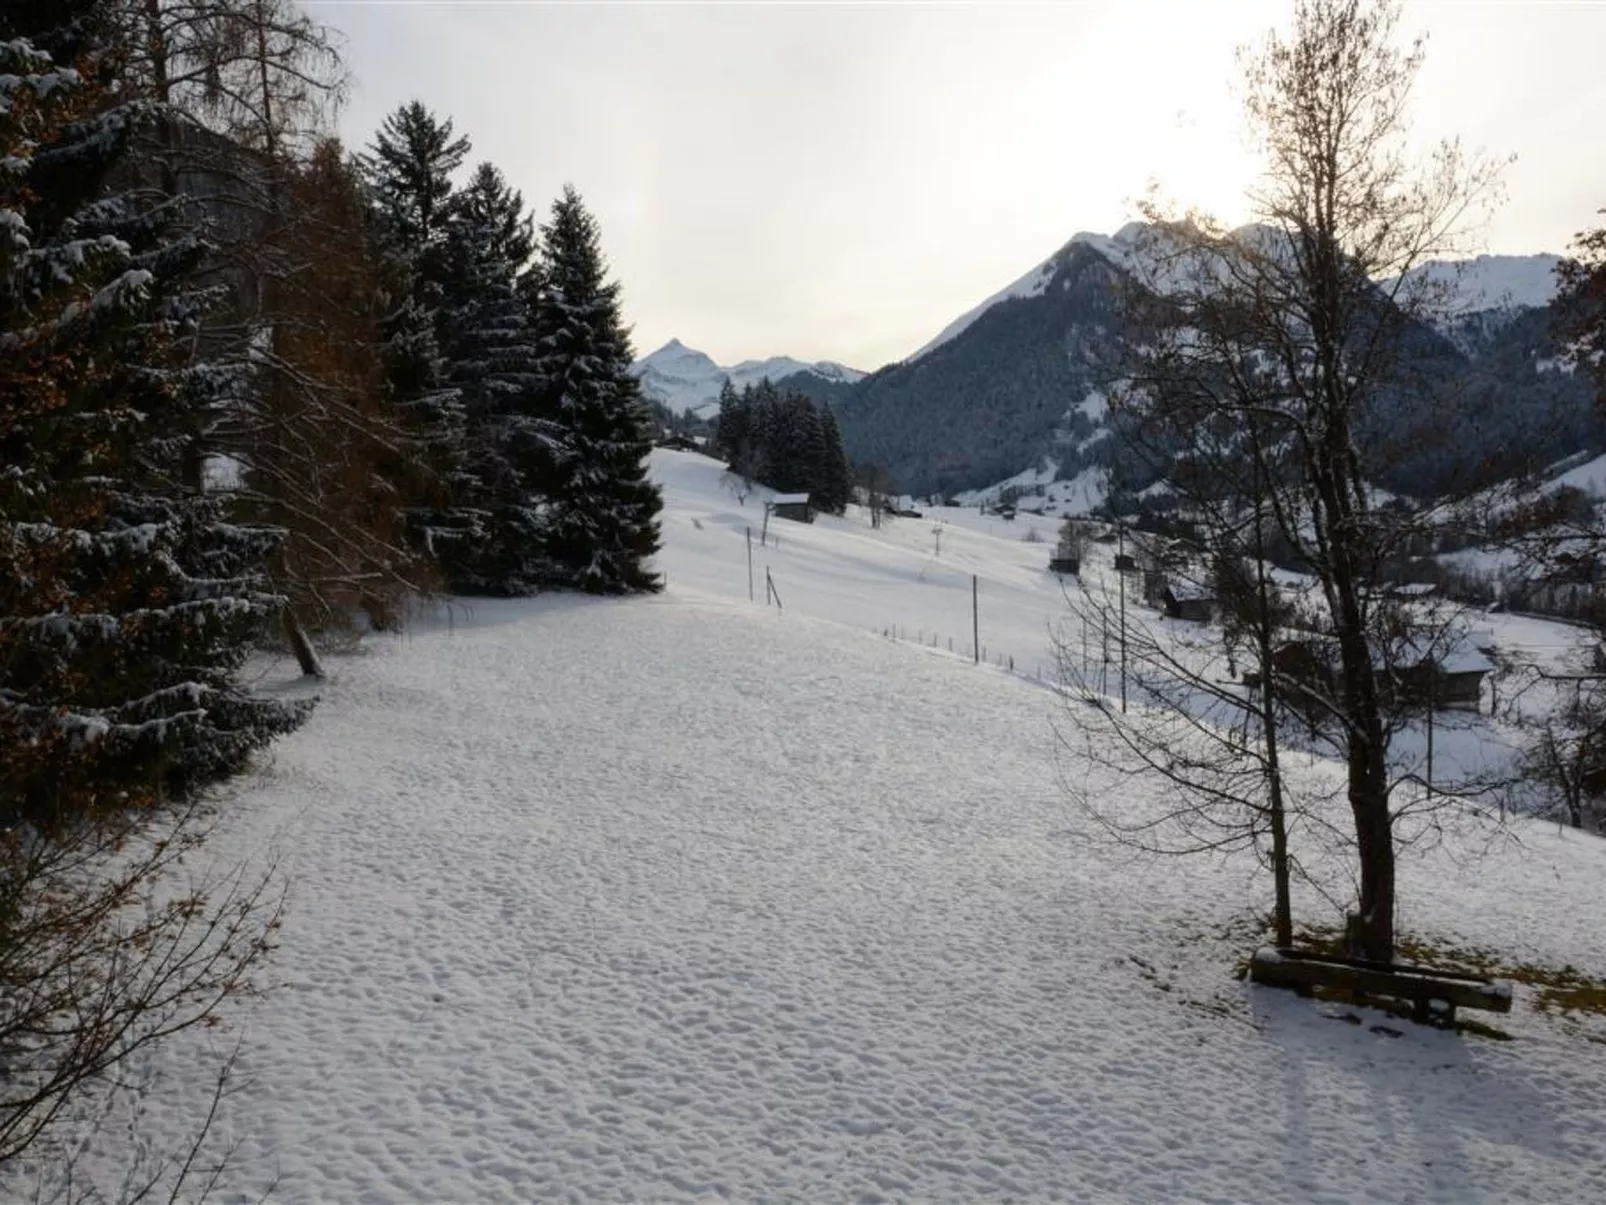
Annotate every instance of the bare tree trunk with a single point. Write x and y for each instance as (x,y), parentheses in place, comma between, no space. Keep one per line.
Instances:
(301,645)
(1277,818)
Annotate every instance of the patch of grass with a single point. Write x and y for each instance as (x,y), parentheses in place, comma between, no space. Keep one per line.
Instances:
(1561,990)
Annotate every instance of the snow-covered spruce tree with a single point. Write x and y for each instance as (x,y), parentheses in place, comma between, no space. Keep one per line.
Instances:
(492,360)
(126,603)
(124,606)
(409,170)
(603,523)
(800,444)
(835,477)
(242,90)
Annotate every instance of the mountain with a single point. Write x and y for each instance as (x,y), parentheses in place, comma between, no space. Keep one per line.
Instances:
(1013,381)
(687,380)
(1012,389)
(1492,282)
(1119,248)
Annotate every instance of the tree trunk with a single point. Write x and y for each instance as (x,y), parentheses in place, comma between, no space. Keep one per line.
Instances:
(1283,910)
(1374,835)
(301,645)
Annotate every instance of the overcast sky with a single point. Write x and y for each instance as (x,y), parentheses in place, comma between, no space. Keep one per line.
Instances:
(839,181)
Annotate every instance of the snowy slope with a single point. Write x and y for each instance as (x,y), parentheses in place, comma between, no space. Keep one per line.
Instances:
(1590,476)
(1493,282)
(685,379)
(694,899)
(1118,248)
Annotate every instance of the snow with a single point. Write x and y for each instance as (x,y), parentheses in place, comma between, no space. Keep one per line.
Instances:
(1492,281)
(1094,406)
(693,899)
(1033,284)
(687,380)
(1486,282)
(1589,477)
(1124,249)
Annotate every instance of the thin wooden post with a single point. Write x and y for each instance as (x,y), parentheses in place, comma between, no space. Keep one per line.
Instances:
(1122,575)
(749,562)
(975,620)
(1432,681)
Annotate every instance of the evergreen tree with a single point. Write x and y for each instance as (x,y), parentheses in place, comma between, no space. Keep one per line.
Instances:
(126,604)
(410,164)
(836,478)
(603,521)
(493,361)
(728,422)
(409,168)
(764,431)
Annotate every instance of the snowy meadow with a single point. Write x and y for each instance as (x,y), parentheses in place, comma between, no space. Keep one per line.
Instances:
(697,898)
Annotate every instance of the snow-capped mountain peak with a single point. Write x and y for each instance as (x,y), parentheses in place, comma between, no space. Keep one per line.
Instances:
(685,379)
(1490,282)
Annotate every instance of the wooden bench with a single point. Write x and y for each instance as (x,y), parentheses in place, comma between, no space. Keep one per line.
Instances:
(1433,995)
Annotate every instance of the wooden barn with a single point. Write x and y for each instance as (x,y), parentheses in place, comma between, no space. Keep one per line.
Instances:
(796,507)
(1065,564)
(1190,601)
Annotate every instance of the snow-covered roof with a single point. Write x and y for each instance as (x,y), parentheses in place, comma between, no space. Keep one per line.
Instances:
(1465,655)
(789,499)
(1190,592)
(1462,655)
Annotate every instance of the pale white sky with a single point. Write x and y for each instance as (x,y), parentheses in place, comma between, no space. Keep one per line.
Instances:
(839,181)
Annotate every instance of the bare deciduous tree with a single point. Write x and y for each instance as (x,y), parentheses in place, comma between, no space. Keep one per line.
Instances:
(106,948)
(1271,349)
(260,72)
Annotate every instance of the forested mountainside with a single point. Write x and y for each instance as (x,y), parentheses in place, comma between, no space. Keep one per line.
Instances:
(1024,381)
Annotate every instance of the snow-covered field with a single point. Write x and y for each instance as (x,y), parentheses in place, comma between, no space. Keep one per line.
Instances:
(690,898)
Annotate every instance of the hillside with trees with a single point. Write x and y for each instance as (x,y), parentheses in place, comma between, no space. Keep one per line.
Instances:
(1012,388)
(779,437)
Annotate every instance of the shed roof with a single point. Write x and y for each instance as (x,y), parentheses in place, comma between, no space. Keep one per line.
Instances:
(1464,655)
(1190,592)
(789,500)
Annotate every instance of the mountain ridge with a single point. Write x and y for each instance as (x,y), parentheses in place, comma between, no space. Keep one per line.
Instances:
(689,381)
(1002,389)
